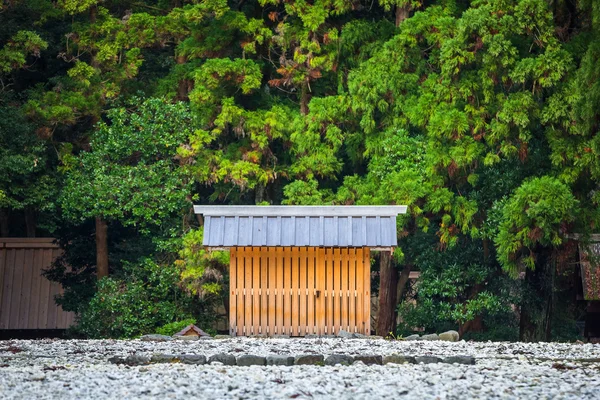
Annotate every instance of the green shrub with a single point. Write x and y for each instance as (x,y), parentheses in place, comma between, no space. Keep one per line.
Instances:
(173,327)
(147,296)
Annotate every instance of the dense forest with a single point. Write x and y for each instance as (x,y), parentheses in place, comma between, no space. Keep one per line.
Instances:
(481,116)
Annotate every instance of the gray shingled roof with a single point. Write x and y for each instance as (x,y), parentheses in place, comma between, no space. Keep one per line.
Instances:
(335,226)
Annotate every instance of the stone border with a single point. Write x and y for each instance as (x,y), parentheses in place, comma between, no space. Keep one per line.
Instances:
(247,360)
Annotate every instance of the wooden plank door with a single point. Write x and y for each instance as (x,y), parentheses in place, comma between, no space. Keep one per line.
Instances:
(299,291)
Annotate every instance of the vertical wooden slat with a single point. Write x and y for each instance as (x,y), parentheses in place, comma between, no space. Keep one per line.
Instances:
(360,327)
(311,314)
(344,290)
(352,290)
(264,305)
(303,255)
(17,287)
(25,296)
(232,291)
(248,291)
(367,290)
(36,277)
(241,285)
(330,291)
(336,289)
(255,290)
(9,272)
(272,290)
(45,292)
(294,290)
(287,285)
(321,287)
(279,255)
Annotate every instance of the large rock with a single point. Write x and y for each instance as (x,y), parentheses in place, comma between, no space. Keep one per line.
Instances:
(164,358)
(155,338)
(342,359)
(223,358)
(137,360)
(222,337)
(398,359)
(280,360)
(450,336)
(369,359)
(412,337)
(427,359)
(468,360)
(345,334)
(309,359)
(433,336)
(247,360)
(193,359)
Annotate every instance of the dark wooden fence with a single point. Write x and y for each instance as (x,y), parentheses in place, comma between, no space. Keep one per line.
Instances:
(27,297)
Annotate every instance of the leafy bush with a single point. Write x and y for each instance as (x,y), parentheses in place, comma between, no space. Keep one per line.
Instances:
(145,297)
(173,327)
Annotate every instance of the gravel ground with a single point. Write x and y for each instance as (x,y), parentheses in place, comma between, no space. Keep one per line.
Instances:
(78,369)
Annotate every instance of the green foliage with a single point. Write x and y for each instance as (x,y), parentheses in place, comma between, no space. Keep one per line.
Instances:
(131,173)
(143,299)
(481,116)
(455,286)
(533,216)
(202,271)
(173,327)
(14,53)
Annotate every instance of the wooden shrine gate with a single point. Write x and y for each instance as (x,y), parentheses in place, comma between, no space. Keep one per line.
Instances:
(298,291)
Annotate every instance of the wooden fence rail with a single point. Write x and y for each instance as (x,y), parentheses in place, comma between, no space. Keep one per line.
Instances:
(26,296)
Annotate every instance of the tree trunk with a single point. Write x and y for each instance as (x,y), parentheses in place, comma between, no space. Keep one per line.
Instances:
(304,99)
(402,13)
(30,222)
(184,85)
(538,297)
(4,222)
(388,280)
(402,281)
(101,248)
(259,193)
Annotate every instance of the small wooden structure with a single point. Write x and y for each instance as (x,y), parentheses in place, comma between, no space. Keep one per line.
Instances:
(26,296)
(299,270)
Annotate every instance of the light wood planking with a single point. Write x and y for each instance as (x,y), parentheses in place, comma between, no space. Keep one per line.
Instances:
(279,288)
(336,290)
(303,261)
(352,290)
(345,292)
(240,303)
(321,277)
(232,291)
(299,290)
(330,291)
(264,306)
(272,298)
(310,284)
(248,263)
